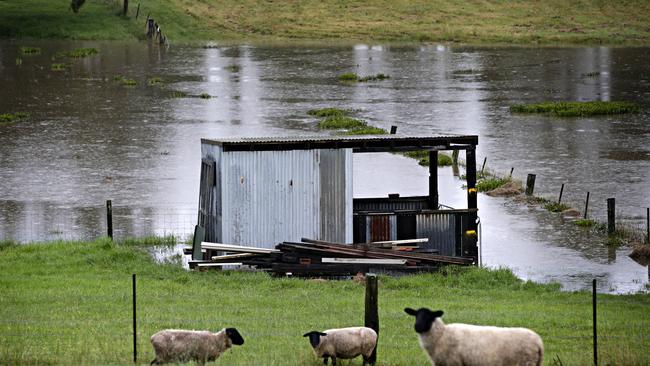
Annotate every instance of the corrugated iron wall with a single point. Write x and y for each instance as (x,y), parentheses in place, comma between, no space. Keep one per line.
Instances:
(388,205)
(336,191)
(441,230)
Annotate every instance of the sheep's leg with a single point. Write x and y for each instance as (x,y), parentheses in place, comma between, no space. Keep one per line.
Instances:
(333,361)
(325,360)
(154,362)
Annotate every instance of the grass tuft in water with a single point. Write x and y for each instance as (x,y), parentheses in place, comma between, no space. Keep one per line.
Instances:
(147,241)
(58,67)
(155,81)
(365,130)
(377,77)
(12,117)
(591,74)
(327,112)
(556,207)
(340,123)
(576,109)
(423,158)
(348,76)
(205,96)
(233,68)
(585,223)
(26,50)
(488,184)
(81,52)
(178,94)
(128,82)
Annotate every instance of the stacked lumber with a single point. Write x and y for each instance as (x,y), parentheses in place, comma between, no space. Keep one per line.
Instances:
(320,258)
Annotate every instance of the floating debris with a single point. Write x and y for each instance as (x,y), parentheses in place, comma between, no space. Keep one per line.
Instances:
(576,109)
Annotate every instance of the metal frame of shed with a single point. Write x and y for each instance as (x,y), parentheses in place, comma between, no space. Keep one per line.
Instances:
(450,231)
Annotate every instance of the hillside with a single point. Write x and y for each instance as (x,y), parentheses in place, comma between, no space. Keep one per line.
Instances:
(552,22)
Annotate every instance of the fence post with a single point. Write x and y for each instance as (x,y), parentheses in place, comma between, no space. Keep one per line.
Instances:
(135,334)
(393,130)
(126,7)
(512,170)
(559,200)
(109,218)
(593,302)
(372,312)
(483,166)
(611,215)
(586,206)
(530,184)
(647,226)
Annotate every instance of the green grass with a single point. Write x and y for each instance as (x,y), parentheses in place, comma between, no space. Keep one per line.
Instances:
(178,94)
(340,123)
(423,158)
(27,50)
(69,303)
(81,52)
(12,117)
(327,112)
(154,81)
(540,22)
(490,183)
(128,82)
(348,76)
(576,109)
(585,223)
(58,67)
(365,130)
(233,68)
(556,207)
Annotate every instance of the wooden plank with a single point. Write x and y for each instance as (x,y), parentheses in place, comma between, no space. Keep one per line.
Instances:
(401,242)
(236,248)
(228,257)
(363,260)
(212,264)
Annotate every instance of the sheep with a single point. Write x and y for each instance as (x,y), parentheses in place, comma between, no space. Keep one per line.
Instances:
(174,345)
(465,344)
(343,343)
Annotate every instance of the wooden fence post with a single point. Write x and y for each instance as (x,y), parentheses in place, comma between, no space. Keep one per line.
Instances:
(530,184)
(393,130)
(109,218)
(611,215)
(593,302)
(586,206)
(372,310)
(135,333)
(559,200)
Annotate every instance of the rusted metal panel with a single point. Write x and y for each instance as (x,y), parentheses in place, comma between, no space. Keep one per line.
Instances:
(381,227)
(440,228)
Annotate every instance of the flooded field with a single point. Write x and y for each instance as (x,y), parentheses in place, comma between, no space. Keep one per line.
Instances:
(91,136)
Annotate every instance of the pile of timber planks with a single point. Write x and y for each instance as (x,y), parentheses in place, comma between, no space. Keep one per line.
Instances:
(320,258)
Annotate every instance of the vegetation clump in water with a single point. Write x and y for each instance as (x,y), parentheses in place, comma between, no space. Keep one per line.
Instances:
(233,68)
(585,223)
(177,94)
(556,207)
(327,112)
(365,130)
(58,67)
(422,157)
(6,118)
(340,123)
(205,96)
(81,52)
(352,77)
(348,76)
(576,109)
(154,81)
(488,184)
(26,50)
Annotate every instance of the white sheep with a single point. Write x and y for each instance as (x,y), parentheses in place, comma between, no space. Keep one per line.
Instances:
(174,345)
(467,345)
(343,343)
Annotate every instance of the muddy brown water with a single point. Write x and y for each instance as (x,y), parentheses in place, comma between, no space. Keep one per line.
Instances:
(89,138)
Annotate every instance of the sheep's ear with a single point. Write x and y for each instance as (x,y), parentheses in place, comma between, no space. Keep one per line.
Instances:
(410,311)
(234,336)
(437,314)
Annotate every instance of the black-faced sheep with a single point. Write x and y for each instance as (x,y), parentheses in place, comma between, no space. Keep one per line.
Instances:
(343,343)
(172,345)
(470,345)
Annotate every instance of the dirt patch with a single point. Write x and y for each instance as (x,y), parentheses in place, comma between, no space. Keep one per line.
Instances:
(507,190)
(641,254)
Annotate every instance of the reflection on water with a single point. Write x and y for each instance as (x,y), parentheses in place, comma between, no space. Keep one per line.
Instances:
(90,139)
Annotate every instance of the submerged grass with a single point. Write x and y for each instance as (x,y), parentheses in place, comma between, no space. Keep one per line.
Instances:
(81,52)
(154,81)
(339,122)
(327,112)
(27,50)
(490,183)
(556,207)
(12,117)
(73,299)
(423,158)
(365,130)
(58,67)
(577,109)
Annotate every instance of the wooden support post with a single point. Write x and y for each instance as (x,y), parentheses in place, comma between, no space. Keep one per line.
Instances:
(593,302)
(559,200)
(126,7)
(109,218)
(433,180)
(135,333)
(393,130)
(530,184)
(372,310)
(454,157)
(137,12)
(586,206)
(470,242)
(483,167)
(611,215)
(647,226)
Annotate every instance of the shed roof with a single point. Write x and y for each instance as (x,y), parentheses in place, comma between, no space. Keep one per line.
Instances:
(382,143)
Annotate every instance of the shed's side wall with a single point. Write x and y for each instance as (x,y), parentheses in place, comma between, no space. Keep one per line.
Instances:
(336,195)
(269,196)
(213,153)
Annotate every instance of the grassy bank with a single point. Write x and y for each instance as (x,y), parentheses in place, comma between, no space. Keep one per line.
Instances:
(473,22)
(70,304)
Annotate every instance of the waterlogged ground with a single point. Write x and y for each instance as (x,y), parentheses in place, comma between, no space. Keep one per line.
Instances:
(91,138)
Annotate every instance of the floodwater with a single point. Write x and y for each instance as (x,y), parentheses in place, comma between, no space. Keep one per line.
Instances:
(90,139)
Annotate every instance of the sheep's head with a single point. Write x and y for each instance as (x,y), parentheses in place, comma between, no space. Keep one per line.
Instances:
(234,336)
(314,337)
(423,318)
